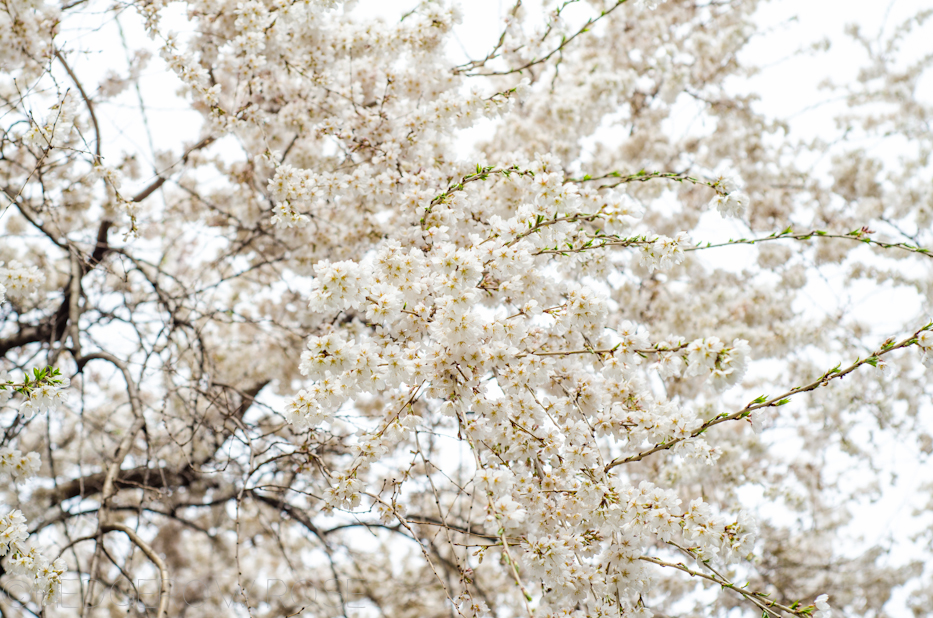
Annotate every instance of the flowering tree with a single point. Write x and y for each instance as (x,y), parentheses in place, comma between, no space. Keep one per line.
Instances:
(330,356)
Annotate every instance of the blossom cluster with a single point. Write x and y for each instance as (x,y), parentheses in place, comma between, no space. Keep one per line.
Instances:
(664,253)
(438,319)
(45,397)
(46,390)
(41,391)
(26,31)
(300,193)
(46,576)
(729,200)
(632,517)
(192,74)
(19,281)
(57,129)
(18,466)
(725,365)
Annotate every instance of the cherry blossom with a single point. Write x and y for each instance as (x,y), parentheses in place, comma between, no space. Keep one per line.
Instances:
(343,296)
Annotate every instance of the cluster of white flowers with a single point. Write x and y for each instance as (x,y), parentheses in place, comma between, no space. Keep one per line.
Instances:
(50,393)
(192,74)
(45,397)
(337,286)
(725,366)
(26,31)
(445,325)
(669,362)
(505,512)
(742,535)
(252,18)
(344,492)
(19,281)
(424,293)
(47,576)
(112,179)
(286,216)
(631,516)
(57,129)
(13,533)
(300,193)
(729,200)
(109,175)
(18,466)
(664,253)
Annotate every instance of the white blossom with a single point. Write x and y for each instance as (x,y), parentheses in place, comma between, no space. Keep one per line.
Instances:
(822,607)
(664,252)
(46,576)
(20,281)
(17,465)
(45,397)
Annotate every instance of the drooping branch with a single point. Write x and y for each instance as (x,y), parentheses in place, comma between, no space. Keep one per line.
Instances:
(165,582)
